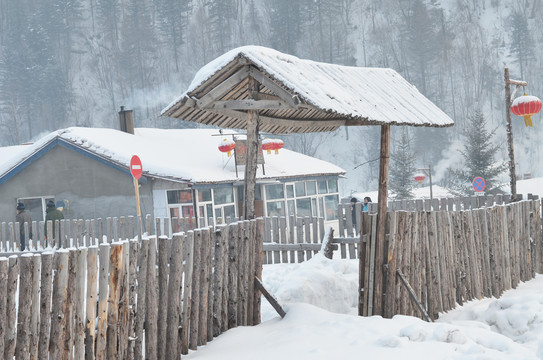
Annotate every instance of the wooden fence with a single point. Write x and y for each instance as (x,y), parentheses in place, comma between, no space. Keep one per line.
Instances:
(448,257)
(154,298)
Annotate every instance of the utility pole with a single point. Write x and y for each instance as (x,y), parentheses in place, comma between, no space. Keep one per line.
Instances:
(508,103)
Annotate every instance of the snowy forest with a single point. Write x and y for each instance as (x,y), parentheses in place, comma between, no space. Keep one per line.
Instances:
(75,62)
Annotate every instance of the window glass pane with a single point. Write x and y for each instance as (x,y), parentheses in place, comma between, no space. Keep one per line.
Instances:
(321,184)
(173,196)
(321,207)
(311,187)
(303,207)
(174,212)
(187,211)
(332,186)
(229,213)
(240,192)
(209,211)
(258,192)
(275,208)
(290,191)
(314,207)
(204,195)
(218,215)
(223,195)
(274,192)
(300,189)
(291,207)
(330,202)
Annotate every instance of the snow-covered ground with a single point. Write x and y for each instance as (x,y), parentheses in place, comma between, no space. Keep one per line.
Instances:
(319,297)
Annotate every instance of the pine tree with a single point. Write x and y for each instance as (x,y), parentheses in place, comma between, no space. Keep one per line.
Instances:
(478,154)
(402,167)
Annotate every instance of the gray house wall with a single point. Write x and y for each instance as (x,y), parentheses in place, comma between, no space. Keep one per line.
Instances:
(93,189)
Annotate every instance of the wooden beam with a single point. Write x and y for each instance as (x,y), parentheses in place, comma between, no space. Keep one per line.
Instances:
(272,300)
(249,183)
(509,131)
(413,296)
(223,88)
(250,105)
(293,101)
(281,122)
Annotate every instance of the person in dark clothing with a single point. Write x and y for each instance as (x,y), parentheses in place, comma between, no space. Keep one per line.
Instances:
(367,200)
(23,217)
(353,209)
(53,214)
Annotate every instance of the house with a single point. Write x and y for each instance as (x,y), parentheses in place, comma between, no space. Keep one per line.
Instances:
(86,172)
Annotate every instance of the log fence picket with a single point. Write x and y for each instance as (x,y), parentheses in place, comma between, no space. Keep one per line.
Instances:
(92,303)
(449,257)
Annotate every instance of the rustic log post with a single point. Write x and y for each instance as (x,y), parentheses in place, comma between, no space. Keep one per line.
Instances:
(3,300)
(152,302)
(142,299)
(205,257)
(45,304)
(35,319)
(58,316)
(327,247)
(252,151)
(132,286)
(195,291)
(92,292)
(381,217)
(162,293)
(24,307)
(115,268)
(101,335)
(218,278)
(188,256)
(79,308)
(174,297)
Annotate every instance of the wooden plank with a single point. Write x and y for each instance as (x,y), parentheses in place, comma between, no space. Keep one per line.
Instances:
(251,248)
(434,280)
(218,278)
(300,238)
(259,237)
(275,238)
(91,301)
(222,88)
(371,272)
(45,305)
(389,301)
(284,239)
(413,295)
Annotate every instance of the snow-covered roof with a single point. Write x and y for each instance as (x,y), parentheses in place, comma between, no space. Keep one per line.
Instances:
(328,94)
(190,155)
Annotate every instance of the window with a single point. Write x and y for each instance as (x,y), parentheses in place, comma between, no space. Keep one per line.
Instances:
(179,196)
(330,203)
(300,189)
(223,195)
(275,208)
(274,192)
(321,184)
(36,206)
(204,195)
(311,187)
(332,186)
(303,207)
(290,191)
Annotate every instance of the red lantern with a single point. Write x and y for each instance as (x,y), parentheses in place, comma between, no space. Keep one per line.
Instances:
(267,144)
(526,106)
(227,146)
(420,178)
(277,144)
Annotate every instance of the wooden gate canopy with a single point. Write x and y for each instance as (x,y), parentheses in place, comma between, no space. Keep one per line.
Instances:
(300,96)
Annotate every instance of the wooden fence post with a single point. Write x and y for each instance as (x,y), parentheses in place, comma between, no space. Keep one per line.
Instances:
(58,317)
(24,307)
(187,291)
(141,311)
(101,334)
(152,301)
(92,295)
(174,298)
(45,304)
(35,319)
(162,293)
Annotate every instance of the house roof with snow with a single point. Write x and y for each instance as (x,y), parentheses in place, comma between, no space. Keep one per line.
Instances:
(297,95)
(182,155)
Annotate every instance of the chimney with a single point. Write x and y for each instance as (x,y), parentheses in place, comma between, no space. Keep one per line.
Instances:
(126,118)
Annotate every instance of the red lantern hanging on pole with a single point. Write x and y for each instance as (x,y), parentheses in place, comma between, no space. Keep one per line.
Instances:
(420,178)
(227,146)
(267,144)
(277,144)
(526,106)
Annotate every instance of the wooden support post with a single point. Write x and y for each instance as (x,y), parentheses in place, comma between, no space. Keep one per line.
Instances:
(413,295)
(381,218)
(249,186)
(509,129)
(273,302)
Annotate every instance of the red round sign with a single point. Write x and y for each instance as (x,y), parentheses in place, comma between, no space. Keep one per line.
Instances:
(135,167)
